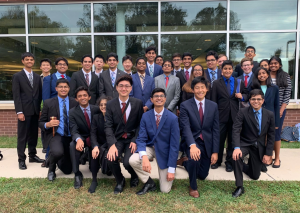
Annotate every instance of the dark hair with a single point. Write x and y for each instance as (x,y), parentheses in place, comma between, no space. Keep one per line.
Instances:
(193,68)
(156,90)
(62,81)
(112,55)
(82,88)
(108,98)
(200,79)
(255,81)
(150,48)
(159,56)
(176,55)
(256,92)
(45,60)
(61,59)
(186,54)
(227,62)
(281,76)
(124,78)
(99,56)
(250,47)
(27,54)
(140,58)
(127,57)
(264,60)
(213,53)
(87,56)
(172,65)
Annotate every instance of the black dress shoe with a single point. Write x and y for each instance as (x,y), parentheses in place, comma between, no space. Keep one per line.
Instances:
(238,191)
(44,151)
(51,176)
(264,168)
(215,166)
(22,165)
(35,159)
(148,187)
(134,182)
(78,181)
(276,166)
(119,187)
(93,187)
(46,163)
(229,167)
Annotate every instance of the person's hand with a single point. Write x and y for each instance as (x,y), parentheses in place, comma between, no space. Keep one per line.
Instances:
(238,95)
(276,127)
(95,152)
(214,158)
(80,145)
(21,117)
(177,112)
(52,123)
(146,164)
(237,154)
(132,147)
(266,159)
(170,176)
(112,153)
(281,112)
(145,108)
(195,152)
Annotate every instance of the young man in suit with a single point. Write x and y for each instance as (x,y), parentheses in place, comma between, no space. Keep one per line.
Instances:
(159,60)
(221,59)
(122,124)
(250,129)
(212,72)
(58,107)
(127,64)
(107,80)
(143,84)
(170,84)
(199,124)
(61,64)
(158,138)
(99,62)
(176,59)
(80,125)
(247,66)
(224,93)
(27,95)
(152,69)
(85,77)
(249,53)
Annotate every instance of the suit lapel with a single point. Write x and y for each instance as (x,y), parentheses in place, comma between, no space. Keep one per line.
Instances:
(139,81)
(263,120)
(81,75)
(117,76)
(132,105)
(224,85)
(25,76)
(170,83)
(207,75)
(162,78)
(267,93)
(250,81)
(81,115)
(234,87)
(57,107)
(119,110)
(195,108)
(252,118)
(182,71)
(206,112)
(162,120)
(153,121)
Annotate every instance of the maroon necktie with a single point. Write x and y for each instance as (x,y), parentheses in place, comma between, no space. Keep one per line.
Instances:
(88,140)
(187,76)
(201,118)
(124,117)
(157,120)
(62,76)
(246,80)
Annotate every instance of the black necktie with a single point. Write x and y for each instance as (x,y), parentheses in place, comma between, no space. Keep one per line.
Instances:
(257,121)
(66,125)
(228,86)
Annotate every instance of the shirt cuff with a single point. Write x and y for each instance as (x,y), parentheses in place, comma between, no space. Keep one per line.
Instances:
(77,139)
(142,153)
(192,144)
(19,113)
(171,170)
(46,126)
(237,147)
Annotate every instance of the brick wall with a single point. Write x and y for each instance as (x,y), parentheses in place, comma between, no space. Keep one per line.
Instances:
(292,117)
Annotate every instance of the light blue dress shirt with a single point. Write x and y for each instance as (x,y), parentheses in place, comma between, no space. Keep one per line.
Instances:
(58,75)
(216,74)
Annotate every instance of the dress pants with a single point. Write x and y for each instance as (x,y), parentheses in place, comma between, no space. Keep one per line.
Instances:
(254,164)
(137,165)
(197,169)
(27,133)
(114,165)
(60,154)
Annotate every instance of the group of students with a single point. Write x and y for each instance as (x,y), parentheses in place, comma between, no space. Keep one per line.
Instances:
(120,116)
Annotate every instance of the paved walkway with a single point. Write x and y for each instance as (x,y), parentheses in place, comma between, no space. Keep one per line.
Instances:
(289,170)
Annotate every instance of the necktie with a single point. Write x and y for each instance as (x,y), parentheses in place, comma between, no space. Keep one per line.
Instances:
(228,86)
(112,76)
(151,70)
(65,114)
(167,81)
(246,80)
(88,141)
(201,117)
(257,121)
(124,118)
(31,79)
(187,76)
(62,76)
(143,81)
(213,77)
(157,120)
(87,79)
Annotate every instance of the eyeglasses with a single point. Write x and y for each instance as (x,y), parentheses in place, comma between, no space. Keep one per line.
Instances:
(63,87)
(176,60)
(62,65)
(159,96)
(256,99)
(250,51)
(211,60)
(124,86)
(167,65)
(200,70)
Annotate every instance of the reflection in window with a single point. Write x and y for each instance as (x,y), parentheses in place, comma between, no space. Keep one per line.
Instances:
(12,19)
(126,17)
(193,16)
(62,18)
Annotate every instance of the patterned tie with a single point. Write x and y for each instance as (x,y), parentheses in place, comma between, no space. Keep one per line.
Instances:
(201,118)
(256,113)
(246,80)
(124,117)
(87,79)
(187,76)
(213,77)
(157,120)
(31,79)
(143,80)
(112,76)
(66,124)
(88,140)
(151,70)
(228,86)
(167,81)
(62,76)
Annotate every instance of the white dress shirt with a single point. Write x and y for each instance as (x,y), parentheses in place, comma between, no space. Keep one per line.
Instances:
(98,73)
(198,106)
(128,108)
(90,75)
(189,70)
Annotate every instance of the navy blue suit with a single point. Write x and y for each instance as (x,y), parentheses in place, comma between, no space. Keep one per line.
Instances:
(49,85)
(157,70)
(143,94)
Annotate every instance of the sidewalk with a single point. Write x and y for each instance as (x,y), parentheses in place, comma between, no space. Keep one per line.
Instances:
(289,170)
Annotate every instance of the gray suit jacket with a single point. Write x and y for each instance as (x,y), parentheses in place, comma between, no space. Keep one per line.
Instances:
(105,86)
(172,91)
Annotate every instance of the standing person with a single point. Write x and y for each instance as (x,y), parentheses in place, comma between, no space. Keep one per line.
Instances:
(283,81)
(264,63)
(250,129)
(127,64)
(85,77)
(225,95)
(221,59)
(99,62)
(199,123)
(143,84)
(176,59)
(152,69)
(27,95)
(250,52)
(122,124)
(212,72)
(159,60)
(170,84)
(158,138)
(247,66)
(107,80)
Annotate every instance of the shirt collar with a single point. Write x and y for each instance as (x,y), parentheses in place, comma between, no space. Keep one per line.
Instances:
(258,110)
(87,108)
(167,75)
(84,72)
(99,72)
(144,75)
(248,74)
(161,113)
(27,73)
(190,69)
(61,99)
(177,70)
(58,73)
(122,101)
(225,79)
(198,102)
(150,64)
(209,70)
(114,72)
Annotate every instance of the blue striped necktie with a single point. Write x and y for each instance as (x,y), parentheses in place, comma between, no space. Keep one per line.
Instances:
(66,123)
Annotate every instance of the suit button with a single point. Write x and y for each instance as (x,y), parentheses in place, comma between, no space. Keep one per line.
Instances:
(142,94)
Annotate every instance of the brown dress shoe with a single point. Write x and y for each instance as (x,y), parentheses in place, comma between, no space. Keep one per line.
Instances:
(193,193)
(181,160)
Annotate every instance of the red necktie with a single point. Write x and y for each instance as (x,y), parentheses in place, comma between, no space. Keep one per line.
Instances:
(201,118)
(124,117)
(88,140)
(157,120)
(187,76)
(246,80)
(167,81)
(62,76)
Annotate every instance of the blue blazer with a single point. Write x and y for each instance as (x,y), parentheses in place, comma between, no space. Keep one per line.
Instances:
(165,138)
(142,94)
(157,70)
(272,102)
(49,90)
(191,128)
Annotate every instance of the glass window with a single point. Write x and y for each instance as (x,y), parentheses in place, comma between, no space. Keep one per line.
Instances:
(11,49)
(266,45)
(193,16)
(197,44)
(62,18)
(12,19)
(263,14)
(126,17)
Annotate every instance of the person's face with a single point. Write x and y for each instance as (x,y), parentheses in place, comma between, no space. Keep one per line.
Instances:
(200,91)
(159,61)
(45,67)
(274,66)
(83,98)
(167,68)
(256,102)
(28,62)
(221,60)
(61,67)
(250,53)
(103,105)
(99,63)
(141,66)
(127,64)
(211,62)
(112,63)
(247,67)
(198,71)
(227,71)
(62,89)
(177,61)
(150,55)
(87,63)
(265,65)
(187,61)
(124,88)
(262,75)
(158,99)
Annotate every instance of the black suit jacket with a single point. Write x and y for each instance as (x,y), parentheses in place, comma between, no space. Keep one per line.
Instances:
(78,79)
(98,137)
(78,125)
(182,80)
(114,122)
(239,70)
(219,74)
(245,133)
(51,108)
(27,99)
